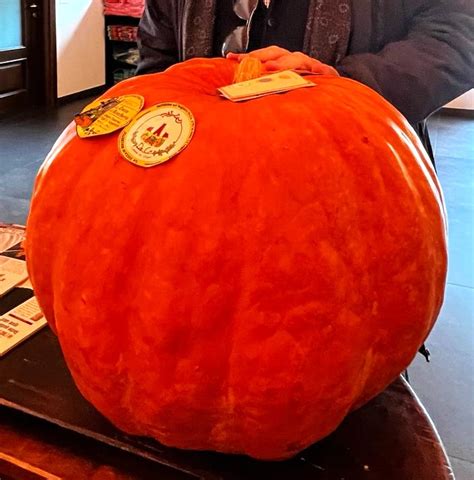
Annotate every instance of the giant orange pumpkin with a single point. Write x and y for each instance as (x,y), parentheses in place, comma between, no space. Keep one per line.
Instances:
(246,295)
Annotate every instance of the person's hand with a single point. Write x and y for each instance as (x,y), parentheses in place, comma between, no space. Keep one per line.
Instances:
(276,58)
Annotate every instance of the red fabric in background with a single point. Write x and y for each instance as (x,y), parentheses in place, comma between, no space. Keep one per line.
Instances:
(132,8)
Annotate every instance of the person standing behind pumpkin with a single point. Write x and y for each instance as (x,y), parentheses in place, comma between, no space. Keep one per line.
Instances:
(418,54)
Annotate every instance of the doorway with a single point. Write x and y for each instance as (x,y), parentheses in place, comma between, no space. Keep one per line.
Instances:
(27,53)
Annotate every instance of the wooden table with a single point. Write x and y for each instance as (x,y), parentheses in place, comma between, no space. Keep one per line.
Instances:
(47,430)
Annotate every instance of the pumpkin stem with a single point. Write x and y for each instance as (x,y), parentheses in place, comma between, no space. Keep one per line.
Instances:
(248,69)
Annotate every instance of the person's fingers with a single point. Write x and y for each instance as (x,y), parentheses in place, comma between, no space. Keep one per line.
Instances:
(269,53)
(299,61)
(291,61)
(304,62)
(276,58)
(323,69)
(235,56)
(263,54)
(283,63)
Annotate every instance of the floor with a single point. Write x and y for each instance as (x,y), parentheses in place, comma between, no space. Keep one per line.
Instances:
(446,385)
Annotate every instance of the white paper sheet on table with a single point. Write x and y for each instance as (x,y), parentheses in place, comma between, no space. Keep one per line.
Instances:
(19,323)
(12,272)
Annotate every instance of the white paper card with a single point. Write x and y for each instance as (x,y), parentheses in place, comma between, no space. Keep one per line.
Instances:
(12,272)
(20,323)
(278,82)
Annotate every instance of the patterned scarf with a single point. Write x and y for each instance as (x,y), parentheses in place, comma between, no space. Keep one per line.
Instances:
(327,29)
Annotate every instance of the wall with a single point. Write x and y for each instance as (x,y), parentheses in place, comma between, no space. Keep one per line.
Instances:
(465,101)
(80,45)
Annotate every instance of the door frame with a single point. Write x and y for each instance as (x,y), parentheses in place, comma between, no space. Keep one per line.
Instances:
(49,64)
(45,93)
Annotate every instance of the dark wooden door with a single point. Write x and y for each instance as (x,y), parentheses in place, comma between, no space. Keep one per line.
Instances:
(27,53)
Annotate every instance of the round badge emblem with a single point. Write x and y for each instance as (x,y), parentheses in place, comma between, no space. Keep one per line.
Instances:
(107,115)
(157,134)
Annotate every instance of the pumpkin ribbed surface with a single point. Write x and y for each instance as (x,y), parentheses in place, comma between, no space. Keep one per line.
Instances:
(246,295)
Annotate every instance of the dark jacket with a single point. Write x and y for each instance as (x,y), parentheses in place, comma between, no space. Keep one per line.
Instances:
(419,54)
